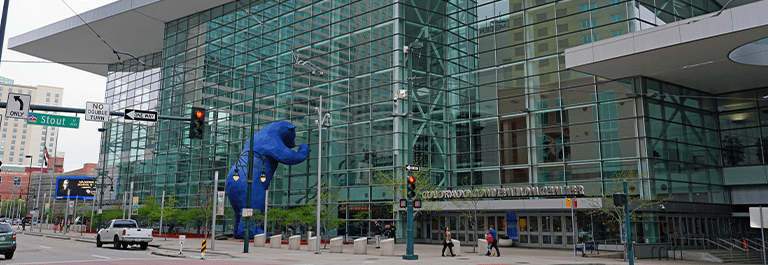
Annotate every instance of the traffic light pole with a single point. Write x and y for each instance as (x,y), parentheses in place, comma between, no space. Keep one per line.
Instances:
(627,222)
(409,153)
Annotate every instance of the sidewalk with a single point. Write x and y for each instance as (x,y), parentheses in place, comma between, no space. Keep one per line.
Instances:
(428,253)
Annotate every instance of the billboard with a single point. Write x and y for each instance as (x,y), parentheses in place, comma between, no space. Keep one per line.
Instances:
(79,187)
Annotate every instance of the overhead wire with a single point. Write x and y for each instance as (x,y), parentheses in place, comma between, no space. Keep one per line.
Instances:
(116,52)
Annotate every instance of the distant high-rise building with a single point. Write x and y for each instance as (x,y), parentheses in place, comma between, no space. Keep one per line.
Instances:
(17,138)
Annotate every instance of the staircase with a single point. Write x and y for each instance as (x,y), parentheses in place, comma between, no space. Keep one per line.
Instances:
(738,256)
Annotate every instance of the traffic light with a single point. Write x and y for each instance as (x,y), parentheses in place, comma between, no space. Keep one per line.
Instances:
(620,199)
(198,123)
(417,204)
(403,203)
(411,187)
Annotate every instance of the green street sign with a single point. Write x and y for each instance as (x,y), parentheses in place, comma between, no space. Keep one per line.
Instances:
(53,120)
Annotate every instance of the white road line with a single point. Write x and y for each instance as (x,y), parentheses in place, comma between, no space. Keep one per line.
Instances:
(101,257)
(45,247)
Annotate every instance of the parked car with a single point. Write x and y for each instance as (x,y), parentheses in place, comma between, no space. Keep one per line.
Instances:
(7,240)
(122,233)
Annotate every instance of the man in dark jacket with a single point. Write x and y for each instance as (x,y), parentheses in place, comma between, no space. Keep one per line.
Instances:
(378,234)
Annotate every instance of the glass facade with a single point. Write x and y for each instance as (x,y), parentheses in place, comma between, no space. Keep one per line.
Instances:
(493,102)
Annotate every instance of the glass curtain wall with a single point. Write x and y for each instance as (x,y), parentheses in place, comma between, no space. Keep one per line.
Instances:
(132,85)
(683,143)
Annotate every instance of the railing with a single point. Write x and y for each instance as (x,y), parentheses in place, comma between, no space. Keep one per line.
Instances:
(753,245)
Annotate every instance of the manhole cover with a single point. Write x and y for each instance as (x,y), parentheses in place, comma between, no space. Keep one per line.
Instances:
(463,258)
(522,262)
(371,259)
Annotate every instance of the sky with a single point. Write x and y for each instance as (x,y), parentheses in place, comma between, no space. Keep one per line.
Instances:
(80,145)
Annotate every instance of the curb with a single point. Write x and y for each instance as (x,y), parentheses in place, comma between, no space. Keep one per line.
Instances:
(169,255)
(208,252)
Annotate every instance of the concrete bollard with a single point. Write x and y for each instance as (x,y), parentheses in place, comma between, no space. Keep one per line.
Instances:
(275,241)
(388,247)
(482,244)
(260,240)
(456,246)
(312,241)
(336,244)
(294,242)
(361,246)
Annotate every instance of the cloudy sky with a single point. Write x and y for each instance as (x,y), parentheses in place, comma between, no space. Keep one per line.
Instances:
(81,145)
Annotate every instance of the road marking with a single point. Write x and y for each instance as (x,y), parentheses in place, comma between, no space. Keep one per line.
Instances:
(45,247)
(101,257)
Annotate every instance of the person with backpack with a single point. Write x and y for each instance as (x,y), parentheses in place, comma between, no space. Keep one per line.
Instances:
(392,229)
(495,241)
(489,238)
(377,228)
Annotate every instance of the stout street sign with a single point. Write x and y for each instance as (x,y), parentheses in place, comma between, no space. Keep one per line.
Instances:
(53,120)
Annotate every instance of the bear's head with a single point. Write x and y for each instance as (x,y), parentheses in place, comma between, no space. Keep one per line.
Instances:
(283,130)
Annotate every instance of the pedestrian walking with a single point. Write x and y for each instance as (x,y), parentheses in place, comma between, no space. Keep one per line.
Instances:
(448,243)
(68,224)
(377,230)
(494,244)
(55,227)
(489,239)
(392,229)
(61,227)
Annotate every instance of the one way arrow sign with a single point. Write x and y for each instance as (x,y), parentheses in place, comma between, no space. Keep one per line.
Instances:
(140,115)
(412,168)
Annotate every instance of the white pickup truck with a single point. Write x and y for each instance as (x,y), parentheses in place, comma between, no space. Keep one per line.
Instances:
(122,233)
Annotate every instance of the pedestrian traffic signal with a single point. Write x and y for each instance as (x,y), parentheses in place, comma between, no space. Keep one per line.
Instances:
(417,204)
(198,123)
(411,187)
(403,203)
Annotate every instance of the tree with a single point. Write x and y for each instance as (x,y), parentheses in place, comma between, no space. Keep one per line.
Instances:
(470,208)
(150,210)
(635,201)
(204,205)
(733,150)
(395,186)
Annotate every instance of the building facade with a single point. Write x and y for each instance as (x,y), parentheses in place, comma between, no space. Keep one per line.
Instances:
(19,139)
(494,106)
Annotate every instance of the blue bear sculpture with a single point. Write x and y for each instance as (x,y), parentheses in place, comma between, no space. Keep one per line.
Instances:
(274,143)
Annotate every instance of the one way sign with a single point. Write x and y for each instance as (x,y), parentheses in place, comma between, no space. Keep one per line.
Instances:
(18,106)
(140,115)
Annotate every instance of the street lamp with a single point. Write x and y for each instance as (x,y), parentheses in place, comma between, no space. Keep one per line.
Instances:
(103,171)
(322,121)
(29,181)
(249,180)
(416,45)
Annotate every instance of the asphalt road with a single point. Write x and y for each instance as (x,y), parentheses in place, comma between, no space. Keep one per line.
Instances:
(43,250)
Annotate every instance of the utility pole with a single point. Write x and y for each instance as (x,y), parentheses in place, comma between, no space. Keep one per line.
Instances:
(321,121)
(103,172)
(2,26)
(627,222)
(416,45)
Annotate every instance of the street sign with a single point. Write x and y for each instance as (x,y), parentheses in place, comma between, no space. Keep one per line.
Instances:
(97,111)
(18,106)
(247,212)
(220,204)
(53,120)
(140,115)
(412,168)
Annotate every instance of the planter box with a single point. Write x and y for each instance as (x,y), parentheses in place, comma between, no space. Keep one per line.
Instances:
(505,242)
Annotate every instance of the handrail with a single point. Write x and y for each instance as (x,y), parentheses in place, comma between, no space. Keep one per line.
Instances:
(717,244)
(757,247)
(733,246)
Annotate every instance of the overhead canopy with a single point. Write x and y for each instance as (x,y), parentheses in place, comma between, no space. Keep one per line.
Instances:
(691,53)
(132,26)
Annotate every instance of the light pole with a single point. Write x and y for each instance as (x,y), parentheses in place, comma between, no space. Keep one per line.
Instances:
(103,172)
(416,45)
(249,181)
(324,119)
(29,182)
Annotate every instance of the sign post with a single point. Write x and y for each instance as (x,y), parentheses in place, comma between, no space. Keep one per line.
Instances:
(756,220)
(181,244)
